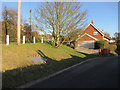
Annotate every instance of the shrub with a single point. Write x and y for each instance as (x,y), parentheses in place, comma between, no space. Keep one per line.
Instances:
(106,45)
(118,42)
(113,47)
(118,47)
(38,40)
(13,39)
(27,40)
(72,45)
(100,44)
(105,52)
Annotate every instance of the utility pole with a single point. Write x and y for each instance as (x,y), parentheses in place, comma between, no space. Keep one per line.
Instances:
(6,21)
(19,18)
(7,36)
(30,17)
(30,26)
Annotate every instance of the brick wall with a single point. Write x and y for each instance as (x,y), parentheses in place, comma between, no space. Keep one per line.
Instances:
(86,38)
(90,30)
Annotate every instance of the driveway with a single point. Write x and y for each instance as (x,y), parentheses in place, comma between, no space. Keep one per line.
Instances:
(96,73)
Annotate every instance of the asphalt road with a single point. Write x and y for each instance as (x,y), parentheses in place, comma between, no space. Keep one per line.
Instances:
(96,73)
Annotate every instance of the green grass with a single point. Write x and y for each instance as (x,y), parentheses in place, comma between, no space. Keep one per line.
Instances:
(14,56)
(113,53)
(18,69)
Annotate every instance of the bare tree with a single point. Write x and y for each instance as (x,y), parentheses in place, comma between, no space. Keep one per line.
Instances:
(9,20)
(62,19)
(116,36)
(107,34)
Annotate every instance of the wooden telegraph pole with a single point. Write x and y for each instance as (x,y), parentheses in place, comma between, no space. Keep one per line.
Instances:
(30,26)
(6,21)
(30,18)
(7,36)
(19,18)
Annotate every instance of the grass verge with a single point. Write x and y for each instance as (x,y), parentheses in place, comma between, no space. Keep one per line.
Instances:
(113,53)
(18,69)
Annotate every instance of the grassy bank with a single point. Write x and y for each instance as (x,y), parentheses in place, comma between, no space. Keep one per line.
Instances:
(14,56)
(18,69)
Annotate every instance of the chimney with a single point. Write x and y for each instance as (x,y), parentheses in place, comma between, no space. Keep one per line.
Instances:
(92,22)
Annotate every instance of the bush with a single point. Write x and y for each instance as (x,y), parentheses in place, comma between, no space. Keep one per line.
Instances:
(72,45)
(27,40)
(106,45)
(13,39)
(118,47)
(100,44)
(38,40)
(105,52)
(113,47)
(118,42)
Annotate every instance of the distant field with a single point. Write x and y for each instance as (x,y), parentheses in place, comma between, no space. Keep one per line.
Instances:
(14,56)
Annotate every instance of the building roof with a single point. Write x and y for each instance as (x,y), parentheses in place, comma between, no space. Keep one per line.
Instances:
(106,37)
(87,35)
(100,31)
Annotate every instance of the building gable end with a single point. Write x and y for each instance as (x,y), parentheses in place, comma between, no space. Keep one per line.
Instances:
(87,35)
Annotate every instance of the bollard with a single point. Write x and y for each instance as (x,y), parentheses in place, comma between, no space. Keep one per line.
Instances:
(7,39)
(48,39)
(107,52)
(42,40)
(100,52)
(34,40)
(52,39)
(23,39)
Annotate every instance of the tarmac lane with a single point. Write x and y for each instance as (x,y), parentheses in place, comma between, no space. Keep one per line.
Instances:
(98,73)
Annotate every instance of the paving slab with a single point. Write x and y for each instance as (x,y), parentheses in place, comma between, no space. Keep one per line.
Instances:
(38,59)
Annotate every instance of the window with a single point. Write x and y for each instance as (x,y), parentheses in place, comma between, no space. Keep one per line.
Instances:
(95,33)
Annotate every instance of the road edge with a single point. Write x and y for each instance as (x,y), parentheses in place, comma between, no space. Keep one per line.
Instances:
(27,85)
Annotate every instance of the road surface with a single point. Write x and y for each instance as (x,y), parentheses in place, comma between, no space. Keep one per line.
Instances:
(96,73)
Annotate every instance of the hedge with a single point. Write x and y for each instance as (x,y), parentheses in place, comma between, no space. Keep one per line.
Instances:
(100,44)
